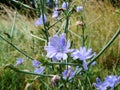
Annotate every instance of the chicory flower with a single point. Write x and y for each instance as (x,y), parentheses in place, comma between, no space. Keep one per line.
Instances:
(83,55)
(99,85)
(109,82)
(19,61)
(39,70)
(40,21)
(112,80)
(79,8)
(35,63)
(68,73)
(58,47)
(64,5)
(94,63)
(55,14)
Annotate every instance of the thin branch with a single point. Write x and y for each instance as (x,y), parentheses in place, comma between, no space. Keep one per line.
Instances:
(16,48)
(25,72)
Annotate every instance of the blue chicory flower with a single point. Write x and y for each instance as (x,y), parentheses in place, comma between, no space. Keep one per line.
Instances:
(83,55)
(39,70)
(41,20)
(94,63)
(112,80)
(58,47)
(35,63)
(109,82)
(19,61)
(68,73)
(55,14)
(79,8)
(99,85)
(64,5)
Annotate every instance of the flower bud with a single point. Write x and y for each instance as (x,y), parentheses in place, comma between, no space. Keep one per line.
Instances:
(79,23)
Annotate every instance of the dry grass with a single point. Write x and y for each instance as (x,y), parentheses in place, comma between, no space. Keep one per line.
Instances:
(101,21)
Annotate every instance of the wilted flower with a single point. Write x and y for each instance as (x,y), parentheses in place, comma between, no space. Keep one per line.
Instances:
(68,73)
(79,8)
(19,61)
(39,70)
(35,63)
(83,55)
(55,80)
(58,47)
(64,5)
(55,14)
(109,82)
(79,23)
(40,21)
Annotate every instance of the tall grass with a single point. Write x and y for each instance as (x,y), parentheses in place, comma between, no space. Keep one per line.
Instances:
(101,20)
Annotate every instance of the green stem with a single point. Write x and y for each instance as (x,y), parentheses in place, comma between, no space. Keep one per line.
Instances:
(18,2)
(16,48)
(83,26)
(52,65)
(105,47)
(67,23)
(83,36)
(60,67)
(42,2)
(74,34)
(67,19)
(89,82)
(55,23)
(13,26)
(25,72)
(61,63)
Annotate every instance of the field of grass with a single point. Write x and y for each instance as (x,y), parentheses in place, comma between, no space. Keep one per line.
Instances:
(102,21)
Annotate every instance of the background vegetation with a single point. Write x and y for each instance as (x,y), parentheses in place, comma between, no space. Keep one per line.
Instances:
(102,21)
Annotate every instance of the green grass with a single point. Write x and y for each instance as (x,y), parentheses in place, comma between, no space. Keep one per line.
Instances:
(102,21)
